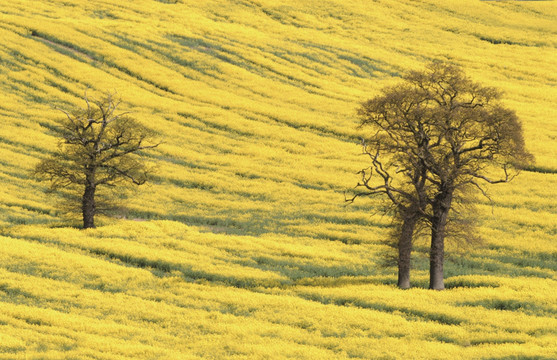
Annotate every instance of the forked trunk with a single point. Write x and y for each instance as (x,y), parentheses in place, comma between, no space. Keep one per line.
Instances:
(88,206)
(405,250)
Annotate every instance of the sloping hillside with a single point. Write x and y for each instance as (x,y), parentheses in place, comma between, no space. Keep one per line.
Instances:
(242,246)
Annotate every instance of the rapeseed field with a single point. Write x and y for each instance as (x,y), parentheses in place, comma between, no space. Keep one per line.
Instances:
(241,246)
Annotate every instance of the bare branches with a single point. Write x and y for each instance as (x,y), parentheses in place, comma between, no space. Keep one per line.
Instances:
(384,184)
(481,189)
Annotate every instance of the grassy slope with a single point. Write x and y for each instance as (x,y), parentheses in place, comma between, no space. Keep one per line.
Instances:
(255,102)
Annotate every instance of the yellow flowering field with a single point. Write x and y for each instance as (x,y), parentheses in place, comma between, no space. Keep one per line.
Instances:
(241,246)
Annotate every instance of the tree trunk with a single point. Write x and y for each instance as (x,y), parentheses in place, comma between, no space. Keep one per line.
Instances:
(437,256)
(405,250)
(88,206)
(437,251)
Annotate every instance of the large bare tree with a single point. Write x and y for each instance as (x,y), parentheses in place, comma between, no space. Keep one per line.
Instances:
(435,138)
(397,125)
(99,147)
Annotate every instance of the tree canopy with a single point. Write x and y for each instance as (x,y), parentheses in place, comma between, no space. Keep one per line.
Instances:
(433,139)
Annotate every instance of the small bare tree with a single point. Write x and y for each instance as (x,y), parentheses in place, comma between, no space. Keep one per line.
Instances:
(98,147)
(434,139)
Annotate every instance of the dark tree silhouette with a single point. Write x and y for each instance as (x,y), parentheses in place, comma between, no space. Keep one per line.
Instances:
(397,124)
(98,147)
(441,135)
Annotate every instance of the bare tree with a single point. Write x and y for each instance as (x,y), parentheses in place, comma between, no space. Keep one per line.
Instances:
(397,124)
(98,148)
(451,131)
(473,136)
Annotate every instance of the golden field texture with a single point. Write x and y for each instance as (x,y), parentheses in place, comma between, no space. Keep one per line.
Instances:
(241,247)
